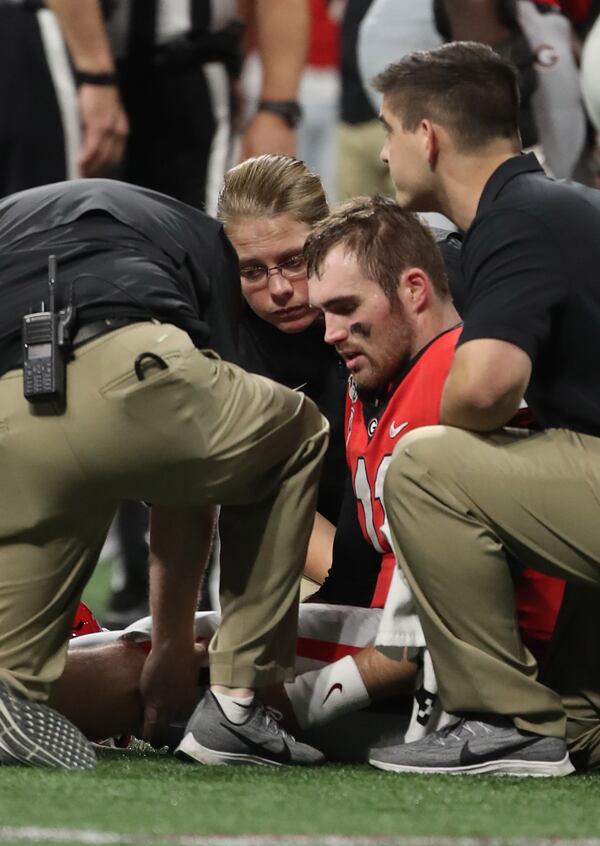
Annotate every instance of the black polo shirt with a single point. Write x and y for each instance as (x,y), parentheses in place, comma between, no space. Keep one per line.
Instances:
(122,251)
(531,261)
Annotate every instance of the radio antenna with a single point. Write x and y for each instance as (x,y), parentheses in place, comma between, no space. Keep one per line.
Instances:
(51,280)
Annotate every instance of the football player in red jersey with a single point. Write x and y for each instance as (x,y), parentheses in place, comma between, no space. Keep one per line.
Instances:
(380,282)
(378,278)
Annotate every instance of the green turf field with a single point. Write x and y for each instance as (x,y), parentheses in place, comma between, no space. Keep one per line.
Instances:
(140,798)
(156,799)
(97,590)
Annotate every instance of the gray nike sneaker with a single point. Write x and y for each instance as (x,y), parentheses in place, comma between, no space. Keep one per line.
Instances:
(34,735)
(485,743)
(211,738)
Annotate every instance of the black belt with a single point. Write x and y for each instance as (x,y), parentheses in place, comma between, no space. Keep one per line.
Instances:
(90,331)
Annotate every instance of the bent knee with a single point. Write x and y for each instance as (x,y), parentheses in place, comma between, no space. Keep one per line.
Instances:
(424,446)
(316,424)
(433,450)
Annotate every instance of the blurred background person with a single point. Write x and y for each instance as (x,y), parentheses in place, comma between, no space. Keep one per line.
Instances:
(315,118)
(56,125)
(556,101)
(360,135)
(535,36)
(590,85)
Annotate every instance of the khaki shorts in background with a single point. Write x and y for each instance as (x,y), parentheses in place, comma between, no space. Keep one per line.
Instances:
(360,171)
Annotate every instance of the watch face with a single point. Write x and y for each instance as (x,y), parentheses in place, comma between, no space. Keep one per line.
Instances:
(289,110)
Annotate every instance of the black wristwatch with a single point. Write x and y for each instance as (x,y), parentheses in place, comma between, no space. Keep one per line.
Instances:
(93,78)
(289,110)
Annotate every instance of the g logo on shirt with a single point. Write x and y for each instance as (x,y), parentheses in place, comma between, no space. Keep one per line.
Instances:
(546,56)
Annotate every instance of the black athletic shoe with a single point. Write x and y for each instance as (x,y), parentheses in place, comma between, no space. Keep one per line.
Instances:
(34,735)
(211,738)
(488,744)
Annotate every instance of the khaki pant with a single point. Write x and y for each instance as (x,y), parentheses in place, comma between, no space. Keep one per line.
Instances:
(360,173)
(199,431)
(455,501)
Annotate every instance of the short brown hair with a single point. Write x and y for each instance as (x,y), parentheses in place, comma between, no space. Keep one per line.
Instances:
(269,185)
(384,238)
(465,87)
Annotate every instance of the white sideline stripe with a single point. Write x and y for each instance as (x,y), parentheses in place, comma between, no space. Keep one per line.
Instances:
(218,159)
(57,59)
(32,834)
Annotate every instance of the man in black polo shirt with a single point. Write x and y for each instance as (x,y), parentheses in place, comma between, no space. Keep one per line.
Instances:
(531,255)
(147,416)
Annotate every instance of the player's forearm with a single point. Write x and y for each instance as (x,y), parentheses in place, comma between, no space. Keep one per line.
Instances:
(180,541)
(85,34)
(283,43)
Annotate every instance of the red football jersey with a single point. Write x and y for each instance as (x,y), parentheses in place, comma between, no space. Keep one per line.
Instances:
(372,432)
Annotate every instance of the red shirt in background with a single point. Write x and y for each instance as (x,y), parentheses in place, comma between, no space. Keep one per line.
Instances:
(576,10)
(324,39)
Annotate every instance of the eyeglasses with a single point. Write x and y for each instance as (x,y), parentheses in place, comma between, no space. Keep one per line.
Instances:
(291,269)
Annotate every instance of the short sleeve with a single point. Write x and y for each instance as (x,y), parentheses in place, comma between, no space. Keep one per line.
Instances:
(515,280)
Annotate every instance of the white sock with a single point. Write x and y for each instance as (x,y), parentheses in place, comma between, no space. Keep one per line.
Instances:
(236,708)
(320,695)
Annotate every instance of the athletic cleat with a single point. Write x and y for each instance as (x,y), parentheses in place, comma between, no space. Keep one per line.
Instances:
(35,735)
(211,738)
(490,745)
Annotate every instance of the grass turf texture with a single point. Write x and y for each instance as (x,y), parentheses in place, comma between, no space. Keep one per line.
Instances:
(157,795)
(150,794)
(97,591)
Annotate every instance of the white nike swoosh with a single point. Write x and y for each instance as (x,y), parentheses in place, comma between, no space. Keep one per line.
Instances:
(395,430)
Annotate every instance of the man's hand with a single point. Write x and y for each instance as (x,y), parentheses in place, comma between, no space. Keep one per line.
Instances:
(169,685)
(267,133)
(282,42)
(105,129)
(103,121)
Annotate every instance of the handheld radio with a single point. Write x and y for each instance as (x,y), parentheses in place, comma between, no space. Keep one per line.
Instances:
(45,348)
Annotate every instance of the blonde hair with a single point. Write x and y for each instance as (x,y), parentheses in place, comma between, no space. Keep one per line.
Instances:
(270,185)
